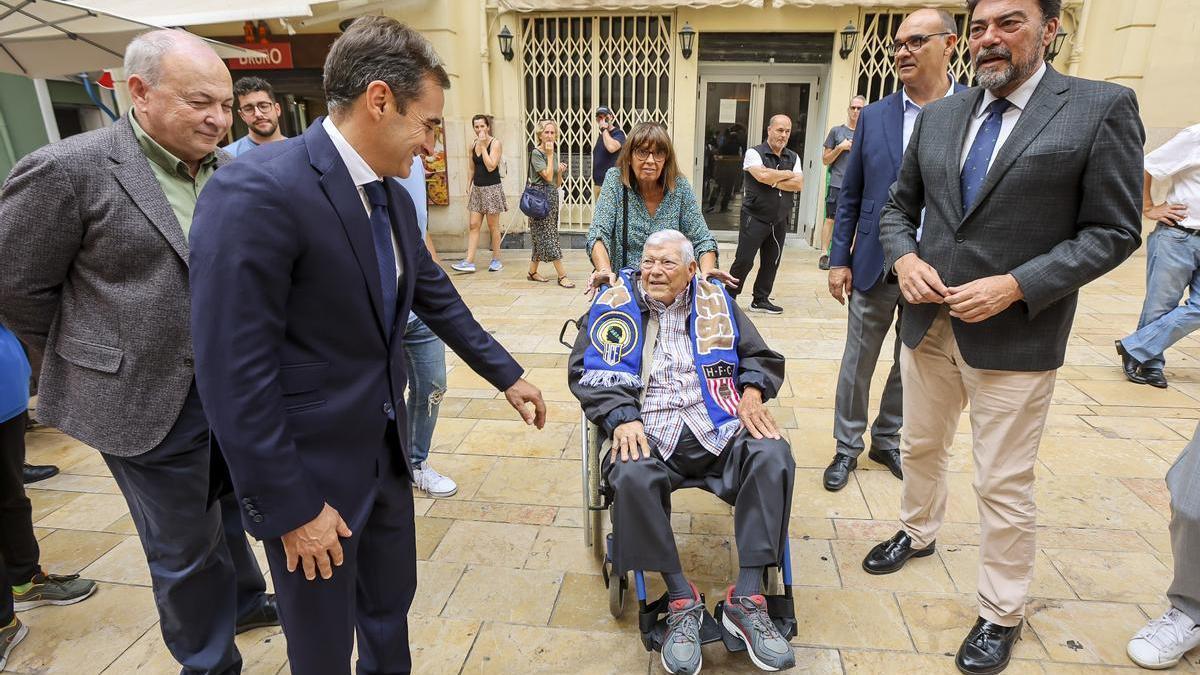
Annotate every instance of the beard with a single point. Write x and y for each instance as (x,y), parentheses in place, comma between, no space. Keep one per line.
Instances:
(1013,71)
(269,133)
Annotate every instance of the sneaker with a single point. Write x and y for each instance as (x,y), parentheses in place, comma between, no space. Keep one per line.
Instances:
(1162,642)
(495,265)
(823,263)
(9,637)
(432,483)
(463,266)
(681,643)
(746,618)
(54,589)
(766,307)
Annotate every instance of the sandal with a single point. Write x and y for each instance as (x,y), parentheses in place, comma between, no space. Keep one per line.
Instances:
(569,283)
(534,276)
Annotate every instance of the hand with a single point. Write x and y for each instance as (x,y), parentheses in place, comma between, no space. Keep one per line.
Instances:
(562,168)
(840,283)
(846,144)
(919,282)
(754,415)
(630,439)
(983,298)
(725,277)
(548,147)
(316,544)
(599,278)
(521,393)
(1170,213)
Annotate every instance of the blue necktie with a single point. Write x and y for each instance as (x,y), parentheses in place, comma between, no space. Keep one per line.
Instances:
(975,169)
(385,255)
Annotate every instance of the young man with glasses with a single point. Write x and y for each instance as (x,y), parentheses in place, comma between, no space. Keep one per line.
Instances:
(835,155)
(259,110)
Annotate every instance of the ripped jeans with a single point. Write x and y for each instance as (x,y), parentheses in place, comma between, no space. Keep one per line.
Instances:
(426,356)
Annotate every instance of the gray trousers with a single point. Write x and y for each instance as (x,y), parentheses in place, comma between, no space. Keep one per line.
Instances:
(870,316)
(754,475)
(1183,481)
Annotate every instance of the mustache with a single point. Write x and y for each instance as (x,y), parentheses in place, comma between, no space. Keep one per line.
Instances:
(988,52)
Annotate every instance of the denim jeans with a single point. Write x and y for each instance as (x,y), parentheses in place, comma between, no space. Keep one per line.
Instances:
(1172,266)
(426,356)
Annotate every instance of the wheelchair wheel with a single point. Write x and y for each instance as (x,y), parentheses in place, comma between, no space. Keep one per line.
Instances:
(618,588)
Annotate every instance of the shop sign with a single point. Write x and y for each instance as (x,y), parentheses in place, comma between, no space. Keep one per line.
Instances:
(275,56)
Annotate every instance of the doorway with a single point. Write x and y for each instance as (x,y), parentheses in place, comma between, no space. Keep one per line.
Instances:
(736,104)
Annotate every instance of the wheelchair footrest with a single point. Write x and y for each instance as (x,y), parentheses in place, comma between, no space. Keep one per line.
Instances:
(653,624)
(782,611)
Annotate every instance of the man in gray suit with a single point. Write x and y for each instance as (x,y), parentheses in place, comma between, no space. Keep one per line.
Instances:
(1031,187)
(94,234)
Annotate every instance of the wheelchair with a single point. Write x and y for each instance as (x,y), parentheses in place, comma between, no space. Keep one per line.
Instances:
(598,499)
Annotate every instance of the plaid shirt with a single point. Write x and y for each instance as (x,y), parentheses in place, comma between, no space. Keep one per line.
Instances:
(673,394)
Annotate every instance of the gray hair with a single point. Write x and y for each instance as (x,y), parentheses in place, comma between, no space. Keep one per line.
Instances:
(144,54)
(948,23)
(380,48)
(664,237)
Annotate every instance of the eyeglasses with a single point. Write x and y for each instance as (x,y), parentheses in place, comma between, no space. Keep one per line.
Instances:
(668,265)
(914,43)
(1008,24)
(642,154)
(261,106)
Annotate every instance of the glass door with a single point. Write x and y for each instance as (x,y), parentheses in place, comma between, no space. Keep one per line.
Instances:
(725,130)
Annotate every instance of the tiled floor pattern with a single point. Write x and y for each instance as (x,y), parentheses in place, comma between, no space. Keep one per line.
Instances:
(507,585)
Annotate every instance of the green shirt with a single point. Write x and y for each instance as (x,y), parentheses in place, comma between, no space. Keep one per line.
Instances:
(537,160)
(173,176)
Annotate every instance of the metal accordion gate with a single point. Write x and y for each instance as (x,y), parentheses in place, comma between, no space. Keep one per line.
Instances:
(574,63)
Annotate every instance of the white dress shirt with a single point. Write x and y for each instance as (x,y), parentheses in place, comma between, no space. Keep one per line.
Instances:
(1175,172)
(361,173)
(1018,100)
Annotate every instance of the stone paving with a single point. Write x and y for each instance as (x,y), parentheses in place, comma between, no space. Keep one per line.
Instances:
(507,586)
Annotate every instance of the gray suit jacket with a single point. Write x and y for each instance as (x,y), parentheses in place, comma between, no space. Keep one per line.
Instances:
(96,281)
(1060,207)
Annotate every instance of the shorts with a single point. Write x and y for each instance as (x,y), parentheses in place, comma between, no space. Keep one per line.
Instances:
(831,198)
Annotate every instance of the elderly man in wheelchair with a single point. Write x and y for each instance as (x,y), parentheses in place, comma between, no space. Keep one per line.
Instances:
(673,371)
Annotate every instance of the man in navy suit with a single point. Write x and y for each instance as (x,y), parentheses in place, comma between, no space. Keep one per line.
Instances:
(922,49)
(305,264)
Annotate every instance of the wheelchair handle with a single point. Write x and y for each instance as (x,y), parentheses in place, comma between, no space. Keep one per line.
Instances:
(562,334)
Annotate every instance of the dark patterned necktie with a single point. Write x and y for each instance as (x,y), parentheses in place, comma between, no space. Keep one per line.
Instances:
(385,255)
(975,169)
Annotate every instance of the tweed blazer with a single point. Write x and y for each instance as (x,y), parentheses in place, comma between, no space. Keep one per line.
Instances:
(96,282)
(1060,206)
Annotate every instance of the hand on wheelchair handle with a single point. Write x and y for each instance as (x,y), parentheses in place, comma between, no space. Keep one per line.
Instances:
(629,442)
(755,417)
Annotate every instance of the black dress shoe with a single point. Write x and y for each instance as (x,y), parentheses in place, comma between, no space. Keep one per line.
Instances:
(838,471)
(1153,377)
(987,648)
(1129,364)
(267,614)
(32,473)
(891,555)
(888,458)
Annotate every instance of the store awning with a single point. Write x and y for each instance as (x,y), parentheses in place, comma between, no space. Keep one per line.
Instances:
(614,5)
(208,11)
(49,38)
(957,5)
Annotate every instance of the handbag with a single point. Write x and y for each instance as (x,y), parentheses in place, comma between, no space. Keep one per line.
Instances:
(534,202)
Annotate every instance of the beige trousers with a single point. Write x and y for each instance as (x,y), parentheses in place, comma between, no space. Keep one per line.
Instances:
(1008,414)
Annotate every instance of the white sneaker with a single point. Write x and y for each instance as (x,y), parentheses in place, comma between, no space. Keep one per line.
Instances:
(432,483)
(1162,642)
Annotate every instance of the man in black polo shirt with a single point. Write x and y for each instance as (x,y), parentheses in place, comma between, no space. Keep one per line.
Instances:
(772,179)
(608,146)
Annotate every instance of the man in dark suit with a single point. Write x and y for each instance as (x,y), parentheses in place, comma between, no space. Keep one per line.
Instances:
(1031,186)
(922,49)
(94,234)
(305,264)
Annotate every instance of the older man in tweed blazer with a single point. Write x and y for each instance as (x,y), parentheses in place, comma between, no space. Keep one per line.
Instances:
(93,237)
(1030,186)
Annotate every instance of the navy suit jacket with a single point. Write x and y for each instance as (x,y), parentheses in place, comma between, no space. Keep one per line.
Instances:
(296,369)
(872,168)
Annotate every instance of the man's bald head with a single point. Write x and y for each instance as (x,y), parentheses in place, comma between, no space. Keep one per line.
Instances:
(780,119)
(934,20)
(935,34)
(146,54)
